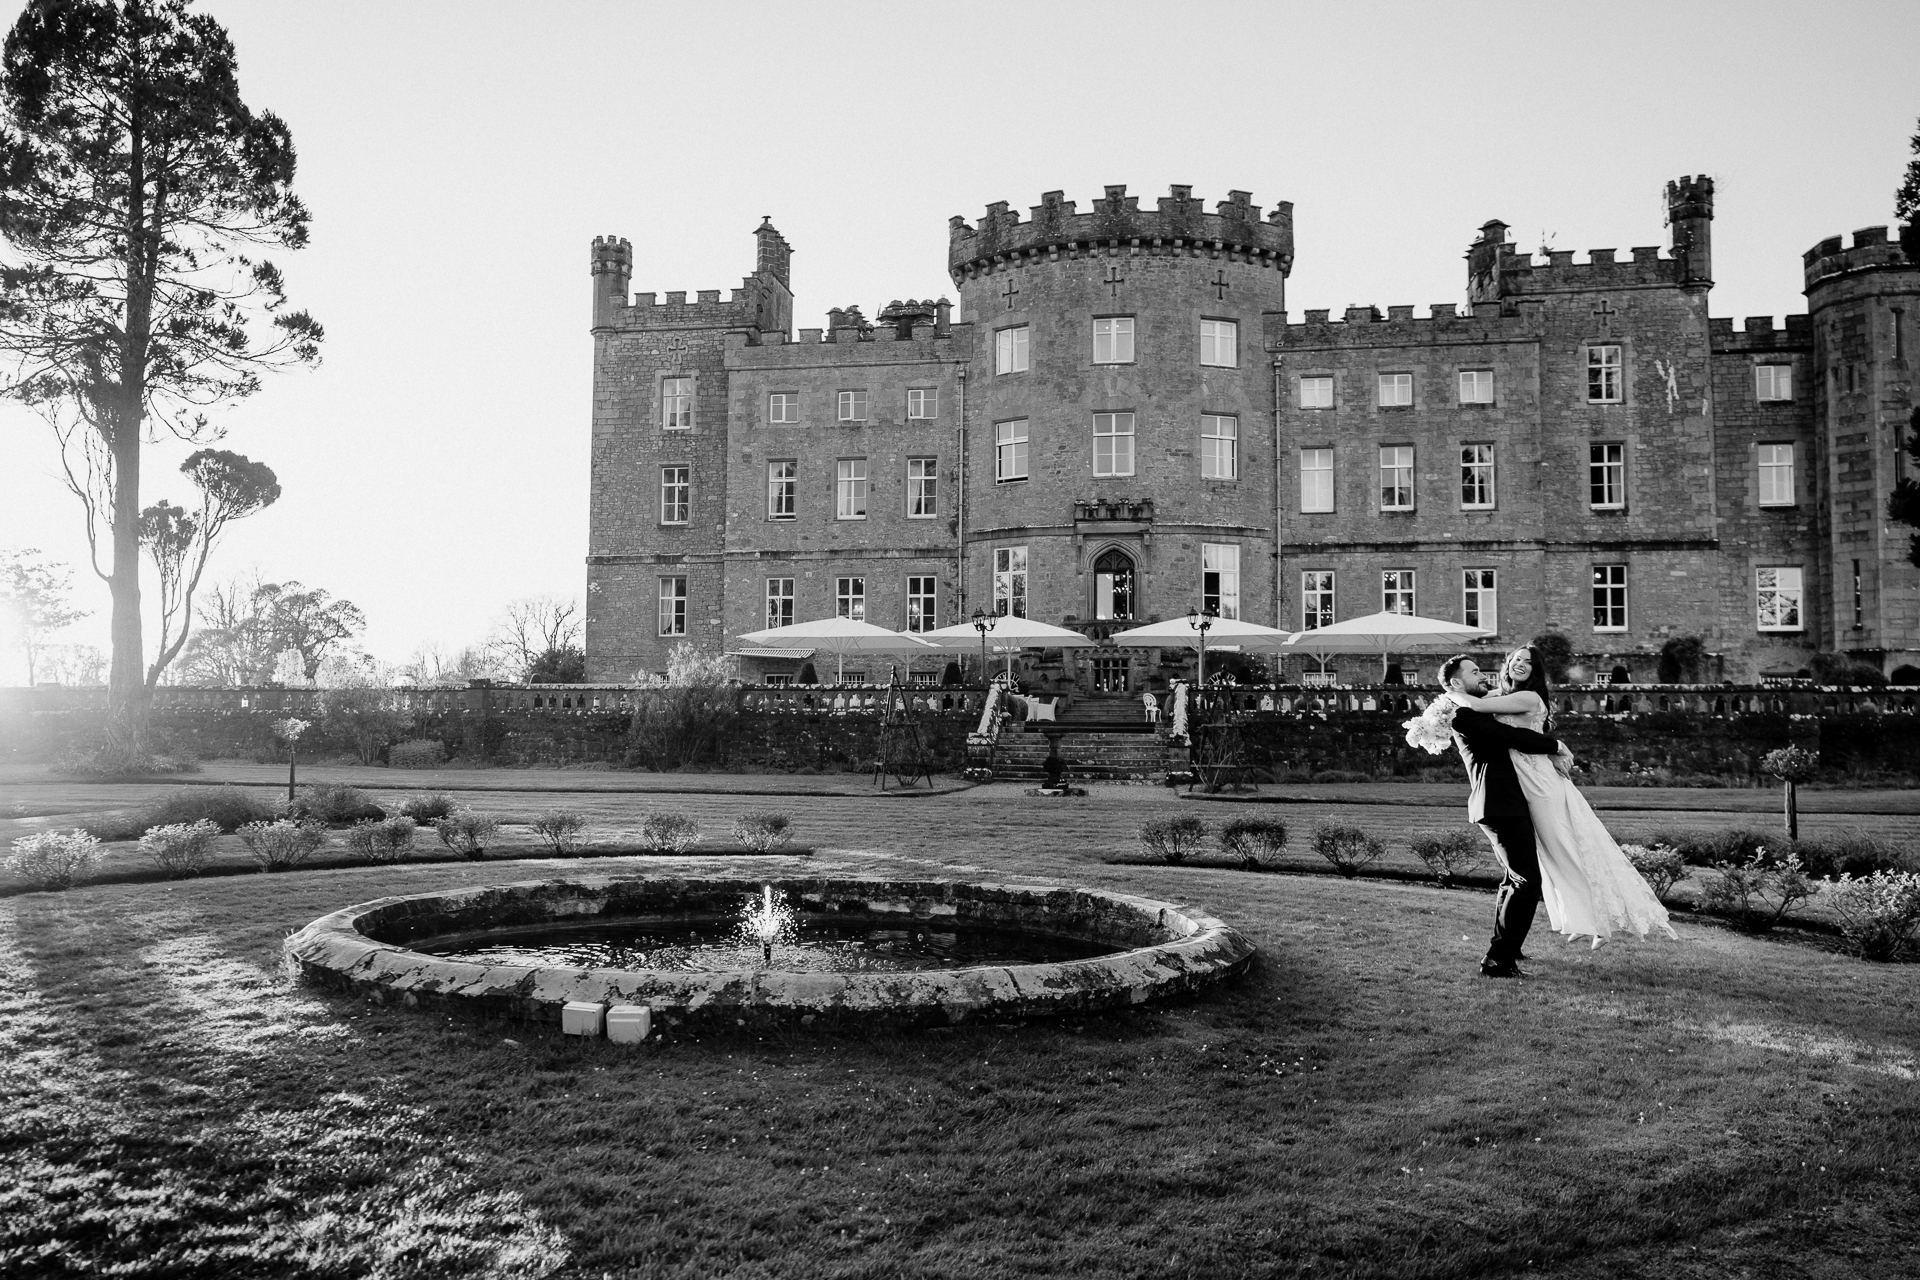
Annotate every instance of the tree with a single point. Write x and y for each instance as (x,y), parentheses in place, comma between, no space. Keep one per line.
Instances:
(33,601)
(229,649)
(1556,652)
(432,665)
(565,665)
(1906,200)
(1681,659)
(308,622)
(1903,504)
(134,178)
(532,628)
(232,487)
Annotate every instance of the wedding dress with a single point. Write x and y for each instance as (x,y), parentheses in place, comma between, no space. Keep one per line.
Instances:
(1589,887)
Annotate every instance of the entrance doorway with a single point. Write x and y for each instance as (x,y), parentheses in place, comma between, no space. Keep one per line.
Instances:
(1110,675)
(1113,586)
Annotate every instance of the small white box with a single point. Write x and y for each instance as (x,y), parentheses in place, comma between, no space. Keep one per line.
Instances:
(579,1018)
(629,1023)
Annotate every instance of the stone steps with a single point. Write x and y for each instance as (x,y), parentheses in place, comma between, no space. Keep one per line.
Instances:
(1098,757)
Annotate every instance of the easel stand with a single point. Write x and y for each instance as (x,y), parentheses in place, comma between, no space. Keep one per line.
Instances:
(903,755)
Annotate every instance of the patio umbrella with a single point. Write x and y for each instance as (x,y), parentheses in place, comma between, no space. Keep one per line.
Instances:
(1221,633)
(1385,633)
(837,636)
(1009,633)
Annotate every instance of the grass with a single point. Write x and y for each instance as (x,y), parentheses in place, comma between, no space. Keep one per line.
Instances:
(1359,1105)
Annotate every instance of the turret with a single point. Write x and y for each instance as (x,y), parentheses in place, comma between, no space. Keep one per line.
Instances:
(772,259)
(1483,262)
(1690,213)
(612,273)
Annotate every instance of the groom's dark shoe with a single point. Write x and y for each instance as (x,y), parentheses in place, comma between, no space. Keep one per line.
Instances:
(1490,969)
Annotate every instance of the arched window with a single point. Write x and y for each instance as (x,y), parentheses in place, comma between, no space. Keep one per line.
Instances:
(1113,586)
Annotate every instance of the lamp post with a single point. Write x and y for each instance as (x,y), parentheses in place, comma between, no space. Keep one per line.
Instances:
(983,623)
(1203,623)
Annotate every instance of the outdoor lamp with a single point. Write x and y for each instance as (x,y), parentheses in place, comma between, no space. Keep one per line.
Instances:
(1203,622)
(983,622)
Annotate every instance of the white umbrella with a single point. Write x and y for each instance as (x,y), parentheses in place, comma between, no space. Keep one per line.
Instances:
(838,636)
(1009,633)
(1385,633)
(1221,633)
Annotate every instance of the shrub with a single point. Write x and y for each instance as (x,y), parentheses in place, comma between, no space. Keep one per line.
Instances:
(415,753)
(1172,839)
(1757,894)
(1660,865)
(1906,673)
(334,802)
(55,859)
(426,808)
(381,839)
(1708,849)
(1555,652)
(1840,669)
(1851,853)
(1681,659)
(228,808)
(282,844)
(685,718)
(1248,840)
(467,833)
(368,718)
(181,848)
(669,832)
(560,828)
(763,832)
(1340,775)
(1879,914)
(1449,853)
(1347,848)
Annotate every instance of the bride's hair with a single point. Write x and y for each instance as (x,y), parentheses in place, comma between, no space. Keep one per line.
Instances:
(1536,681)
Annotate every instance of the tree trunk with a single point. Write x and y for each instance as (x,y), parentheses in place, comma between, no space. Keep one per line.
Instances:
(1793,812)
(127,695)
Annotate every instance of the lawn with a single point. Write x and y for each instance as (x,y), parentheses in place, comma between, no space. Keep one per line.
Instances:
(1360,1104)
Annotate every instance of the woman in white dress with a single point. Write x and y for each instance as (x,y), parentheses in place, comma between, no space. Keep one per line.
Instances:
(1586,882)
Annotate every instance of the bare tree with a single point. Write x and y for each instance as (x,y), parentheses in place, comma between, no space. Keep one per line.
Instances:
(531,628)
(432,664)
(33,601)
(307,621)
(229,648)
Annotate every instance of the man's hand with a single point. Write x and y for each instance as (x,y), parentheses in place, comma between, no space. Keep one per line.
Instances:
(1563,761)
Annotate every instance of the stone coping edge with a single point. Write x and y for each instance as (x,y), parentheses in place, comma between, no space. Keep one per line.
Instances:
(1171,950)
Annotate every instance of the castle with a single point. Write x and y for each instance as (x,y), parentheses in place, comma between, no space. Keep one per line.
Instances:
(1123,421)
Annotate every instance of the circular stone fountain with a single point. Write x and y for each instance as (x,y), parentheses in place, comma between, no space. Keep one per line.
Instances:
(1145,949)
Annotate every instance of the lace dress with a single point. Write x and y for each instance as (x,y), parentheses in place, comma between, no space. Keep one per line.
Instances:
(1589,887)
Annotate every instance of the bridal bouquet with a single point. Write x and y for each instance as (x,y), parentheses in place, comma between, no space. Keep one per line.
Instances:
(1432,730)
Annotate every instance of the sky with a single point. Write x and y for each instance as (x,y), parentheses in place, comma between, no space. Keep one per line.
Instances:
(459,158)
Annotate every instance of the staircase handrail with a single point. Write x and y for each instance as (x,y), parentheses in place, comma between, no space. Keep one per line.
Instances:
(989,729)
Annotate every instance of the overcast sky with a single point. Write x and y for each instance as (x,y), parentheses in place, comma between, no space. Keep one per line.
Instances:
(458,159)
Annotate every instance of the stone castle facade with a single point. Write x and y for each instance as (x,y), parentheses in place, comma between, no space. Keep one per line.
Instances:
(1123,421)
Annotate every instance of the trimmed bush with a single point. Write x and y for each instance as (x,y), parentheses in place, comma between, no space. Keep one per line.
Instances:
(228,808)
(560,829)
(1248,840)
(55,859)
(467,833)
(424,809)
(1173,839)
(669,832)
(1757,894)
(1851,853)
(181,848)
(415,753)
(763,832)
(1450,853)
(1660,865)
(1347,848)
(334,803)
(381,839)
(1879,914)
(276,846)
(1711,848)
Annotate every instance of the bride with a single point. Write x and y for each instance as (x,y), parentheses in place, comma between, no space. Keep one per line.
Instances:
(1588,885)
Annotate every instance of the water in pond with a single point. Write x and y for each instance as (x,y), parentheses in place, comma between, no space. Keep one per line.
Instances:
(808,945)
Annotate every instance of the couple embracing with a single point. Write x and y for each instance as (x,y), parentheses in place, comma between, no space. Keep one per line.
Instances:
(1554,849)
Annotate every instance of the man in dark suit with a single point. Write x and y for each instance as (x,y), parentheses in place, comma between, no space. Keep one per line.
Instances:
(1500,807)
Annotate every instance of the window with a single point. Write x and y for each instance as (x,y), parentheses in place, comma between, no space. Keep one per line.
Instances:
(1480,599)
(922,479)
(1220,578)
(1476,475)
(1476,386)
(1010,450)
(1316,479)
(1773,381)
(853,406)
(1010,350)
(1113,340)
(676,404)
(1396,477)
(923,403)
(1778,593)
(779,602)
(1316,393)
(1606,476)
(1113,585)
(850,598)
(1603,375)
(1396,390)
(1859,599)
(783,407)
(1396,590)
(1316,599)
(923,603)
(1219,447)
(1113,444)
(676,486)
(1776,475)
(673,606)
(1609,597)
(783,482)
(851,492)
(1010,582)
(1220,344)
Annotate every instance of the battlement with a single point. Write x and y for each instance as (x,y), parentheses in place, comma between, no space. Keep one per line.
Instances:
(1759,334)
(1180,224)
(1489,322)
(1523,273)
(1872,251)
(822,348)
(707,311)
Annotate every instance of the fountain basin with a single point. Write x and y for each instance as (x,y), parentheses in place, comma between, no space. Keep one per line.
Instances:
(1163,950)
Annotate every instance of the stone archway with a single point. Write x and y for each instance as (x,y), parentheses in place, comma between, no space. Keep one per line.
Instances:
(1116,586)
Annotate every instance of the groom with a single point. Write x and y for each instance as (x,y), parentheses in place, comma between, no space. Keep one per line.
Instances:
(1498,805)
